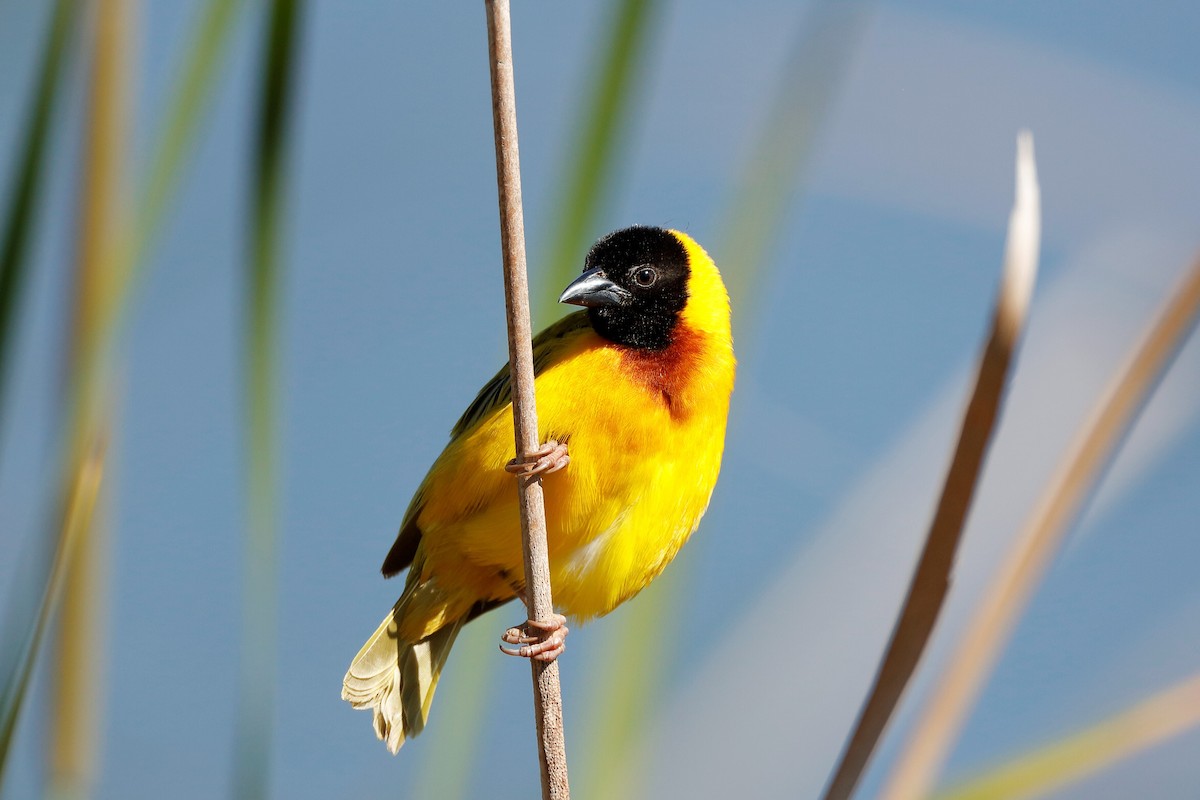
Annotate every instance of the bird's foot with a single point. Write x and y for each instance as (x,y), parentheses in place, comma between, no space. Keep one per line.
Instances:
(544,641)
(546,460)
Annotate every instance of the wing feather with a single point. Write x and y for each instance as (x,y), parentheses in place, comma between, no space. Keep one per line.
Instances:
(495,394)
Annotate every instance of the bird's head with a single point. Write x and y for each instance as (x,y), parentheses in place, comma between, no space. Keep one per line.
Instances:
(636,285)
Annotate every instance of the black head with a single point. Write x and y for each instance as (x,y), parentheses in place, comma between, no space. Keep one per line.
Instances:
(634,284)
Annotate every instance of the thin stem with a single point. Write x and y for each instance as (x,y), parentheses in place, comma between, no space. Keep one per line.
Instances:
(85,475)
(1018,576)
(546,691)
(74,741)
(931,580)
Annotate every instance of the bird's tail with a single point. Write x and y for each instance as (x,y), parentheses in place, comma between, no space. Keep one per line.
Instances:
(396,679)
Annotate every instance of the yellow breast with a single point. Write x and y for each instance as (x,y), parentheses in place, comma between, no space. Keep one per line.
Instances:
(644,462)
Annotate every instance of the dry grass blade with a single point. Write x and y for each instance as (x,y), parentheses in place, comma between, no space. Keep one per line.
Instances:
(546,690)
(931,581)
(74,736)
(87,472)
(74,747)
(988,630)
(257,677)
(1168,713)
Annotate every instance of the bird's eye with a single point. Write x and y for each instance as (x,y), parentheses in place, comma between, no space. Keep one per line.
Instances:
(645,277)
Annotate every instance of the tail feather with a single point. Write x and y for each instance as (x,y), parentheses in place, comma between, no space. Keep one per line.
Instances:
(397,679)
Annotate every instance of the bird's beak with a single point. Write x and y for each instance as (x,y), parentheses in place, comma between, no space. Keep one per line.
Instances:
(594,289)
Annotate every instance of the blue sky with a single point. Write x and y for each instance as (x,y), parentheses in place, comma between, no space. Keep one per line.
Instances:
(854,356)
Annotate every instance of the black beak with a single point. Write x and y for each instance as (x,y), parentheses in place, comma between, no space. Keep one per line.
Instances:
(594,289)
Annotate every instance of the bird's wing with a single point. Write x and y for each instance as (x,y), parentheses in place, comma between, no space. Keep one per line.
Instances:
(497,392)
(400,557)
(495,395)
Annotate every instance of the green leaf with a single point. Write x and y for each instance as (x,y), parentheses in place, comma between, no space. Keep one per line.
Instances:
(26,187)
(260,594)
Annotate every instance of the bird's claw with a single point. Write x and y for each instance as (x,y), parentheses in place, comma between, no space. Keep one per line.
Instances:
(544,641)
(546,460)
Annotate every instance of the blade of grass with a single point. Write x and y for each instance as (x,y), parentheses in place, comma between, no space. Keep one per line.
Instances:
(78,696)
(87,472)
(189,100)
(184,114)
(954,693)
(100,221)
(21,219)
(18,230)
(1168,713)
(81,428)
(257,677)
(77,699)
(592,168)
(931,580)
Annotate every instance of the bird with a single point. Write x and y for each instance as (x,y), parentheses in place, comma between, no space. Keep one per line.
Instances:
(633,395)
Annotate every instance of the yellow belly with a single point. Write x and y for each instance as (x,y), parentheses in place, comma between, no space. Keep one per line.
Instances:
(640,478)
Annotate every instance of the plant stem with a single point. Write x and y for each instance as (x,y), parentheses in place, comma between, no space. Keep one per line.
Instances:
(74,742)
(546,692)
(931,580)
(956,688)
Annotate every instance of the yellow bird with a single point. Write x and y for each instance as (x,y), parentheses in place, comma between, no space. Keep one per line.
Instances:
(637,388)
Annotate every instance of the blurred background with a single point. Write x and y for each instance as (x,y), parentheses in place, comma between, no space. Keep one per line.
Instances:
(849,166)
